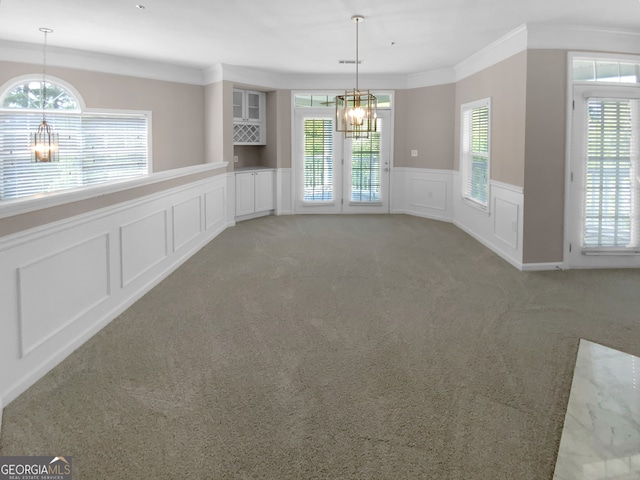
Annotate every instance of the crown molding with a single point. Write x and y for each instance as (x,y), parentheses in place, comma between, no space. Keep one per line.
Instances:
(98,62)
(294,81)
(506,46)
(526,36)
(575,37)
(432,78)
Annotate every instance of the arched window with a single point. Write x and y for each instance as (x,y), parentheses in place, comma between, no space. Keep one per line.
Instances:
(29,95)
(94,146)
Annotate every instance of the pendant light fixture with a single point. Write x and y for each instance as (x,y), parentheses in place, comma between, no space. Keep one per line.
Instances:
(44,142)
(356,110)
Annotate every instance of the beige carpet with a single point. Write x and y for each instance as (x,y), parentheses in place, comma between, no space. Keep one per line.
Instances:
(330,347)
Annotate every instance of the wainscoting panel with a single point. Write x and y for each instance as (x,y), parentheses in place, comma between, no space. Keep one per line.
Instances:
(187,222)
(56,290)
(284,192)
(428,194)
(500,228)
(143,244)
(215,205)
(422,192)
(64,281)
(505,221)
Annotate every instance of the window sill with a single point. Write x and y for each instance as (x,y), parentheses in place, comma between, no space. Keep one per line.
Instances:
(19,206)
(477,206)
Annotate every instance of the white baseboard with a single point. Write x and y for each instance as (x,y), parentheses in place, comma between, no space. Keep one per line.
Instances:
(541,267)
(430,216)
(254,215)
(494,248)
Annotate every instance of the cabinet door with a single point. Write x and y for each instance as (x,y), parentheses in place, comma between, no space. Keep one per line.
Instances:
(245,194)
(264,191)
(254,107)
(238,105)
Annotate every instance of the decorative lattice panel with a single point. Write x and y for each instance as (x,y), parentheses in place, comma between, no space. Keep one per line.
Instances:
(243,133)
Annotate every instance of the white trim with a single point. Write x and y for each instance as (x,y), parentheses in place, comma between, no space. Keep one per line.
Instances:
(501,230)
(580,37)
(284,198)
(526,36)
(50,240)
(506,46)
(18,206)
(572,259)
(469,107)
(541,267)
(498,251)
(429,79)
(422,192)
(98,62)
(507,186)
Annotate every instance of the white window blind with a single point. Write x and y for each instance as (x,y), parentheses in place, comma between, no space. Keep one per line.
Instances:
(611,183)
(365,167)
(475,151)
(318,160)
(93,148)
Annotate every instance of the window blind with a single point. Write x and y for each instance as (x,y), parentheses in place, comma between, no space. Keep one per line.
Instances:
(475,152)
(611,184)
(93,148)
(318,160)
(365,167)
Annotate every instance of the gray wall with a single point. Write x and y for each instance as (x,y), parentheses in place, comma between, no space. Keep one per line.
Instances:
(178,132)
(218,118)
(424,121)
(178,109)
(545,156)
(506,84)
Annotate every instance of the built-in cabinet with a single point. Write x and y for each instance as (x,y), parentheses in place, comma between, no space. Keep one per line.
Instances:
(249,126)
(254,192)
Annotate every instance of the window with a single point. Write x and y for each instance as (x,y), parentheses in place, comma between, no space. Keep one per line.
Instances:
(475,152)
(94,146)
(606,70)
(365,167)
(318,160)
(316,100)
(611,191)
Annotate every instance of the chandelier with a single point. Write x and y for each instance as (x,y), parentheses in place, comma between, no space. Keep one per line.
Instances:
(44,142)
(356,110)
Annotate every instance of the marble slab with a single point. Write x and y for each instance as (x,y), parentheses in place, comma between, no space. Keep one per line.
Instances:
(601,435)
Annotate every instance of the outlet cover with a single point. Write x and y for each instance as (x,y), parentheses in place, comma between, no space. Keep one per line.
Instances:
(414,153)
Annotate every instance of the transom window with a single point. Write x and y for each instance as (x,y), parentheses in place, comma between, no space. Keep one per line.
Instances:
(94,146)
(29,95)
(605,70)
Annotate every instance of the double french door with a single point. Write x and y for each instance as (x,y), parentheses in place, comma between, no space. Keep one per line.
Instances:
(334,174)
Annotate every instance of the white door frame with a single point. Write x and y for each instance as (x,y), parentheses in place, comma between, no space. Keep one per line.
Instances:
(299,206)
(339,203)
(574,198)
(385,172)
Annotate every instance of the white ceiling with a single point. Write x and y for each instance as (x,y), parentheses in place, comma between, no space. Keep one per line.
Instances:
(298,36)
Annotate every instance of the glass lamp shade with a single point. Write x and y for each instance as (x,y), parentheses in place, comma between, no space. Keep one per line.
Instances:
(44,143)
(356,113)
